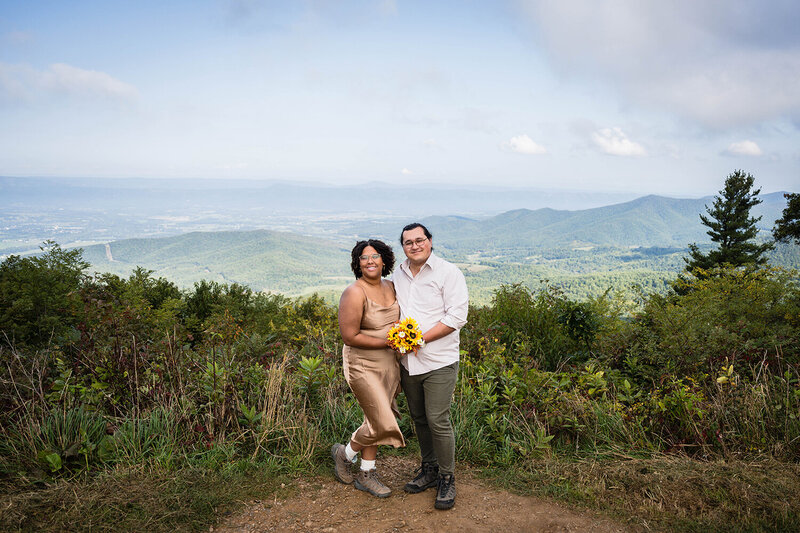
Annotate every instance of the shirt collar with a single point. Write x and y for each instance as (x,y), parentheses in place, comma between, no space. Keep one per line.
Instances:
(432,262)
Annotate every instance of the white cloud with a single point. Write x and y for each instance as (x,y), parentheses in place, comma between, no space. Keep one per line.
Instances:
(63,77)
(613,141)
(744,148)
(406,172)
(522,144)
(26,82)
(706,61)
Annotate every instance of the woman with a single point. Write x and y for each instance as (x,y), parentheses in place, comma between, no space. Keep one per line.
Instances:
(367,310)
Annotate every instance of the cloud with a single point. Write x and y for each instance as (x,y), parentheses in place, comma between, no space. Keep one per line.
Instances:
(522,144)
(713,63)
(73,80)
(406,172)
(26,83)
(744,148)
(613,141)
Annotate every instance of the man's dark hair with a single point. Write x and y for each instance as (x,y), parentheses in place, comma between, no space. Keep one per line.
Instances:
(381,247)
(415,225)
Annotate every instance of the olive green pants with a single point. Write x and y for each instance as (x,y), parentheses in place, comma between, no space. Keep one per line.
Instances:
(429,397)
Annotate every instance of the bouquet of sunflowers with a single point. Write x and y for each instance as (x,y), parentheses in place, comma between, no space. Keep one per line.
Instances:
(405,336)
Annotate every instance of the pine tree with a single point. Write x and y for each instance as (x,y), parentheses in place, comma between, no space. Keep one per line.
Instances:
(731,226)
(788,227)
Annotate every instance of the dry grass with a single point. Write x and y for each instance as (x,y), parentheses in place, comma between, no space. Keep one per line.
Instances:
(673,492)
(134,501)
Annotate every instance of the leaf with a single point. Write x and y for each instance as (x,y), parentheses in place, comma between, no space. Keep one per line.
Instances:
(51,459)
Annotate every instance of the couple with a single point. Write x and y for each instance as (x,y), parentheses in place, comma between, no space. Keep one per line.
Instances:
(434,293)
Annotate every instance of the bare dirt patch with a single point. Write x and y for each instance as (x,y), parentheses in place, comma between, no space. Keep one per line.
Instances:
(324,505)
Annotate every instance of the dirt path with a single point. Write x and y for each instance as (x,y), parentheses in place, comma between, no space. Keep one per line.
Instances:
(325,505)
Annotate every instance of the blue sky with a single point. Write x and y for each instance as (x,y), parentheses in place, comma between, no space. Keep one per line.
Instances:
(645,97)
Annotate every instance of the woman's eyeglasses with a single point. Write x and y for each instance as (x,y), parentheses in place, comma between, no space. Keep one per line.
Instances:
(374,257)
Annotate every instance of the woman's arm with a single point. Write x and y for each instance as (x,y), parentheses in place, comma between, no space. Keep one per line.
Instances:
(351,308)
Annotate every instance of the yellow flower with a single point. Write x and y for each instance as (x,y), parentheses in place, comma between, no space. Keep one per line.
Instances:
(405,336)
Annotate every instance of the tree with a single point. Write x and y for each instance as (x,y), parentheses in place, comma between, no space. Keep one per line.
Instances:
(731,226)
(788,227)
(35,306)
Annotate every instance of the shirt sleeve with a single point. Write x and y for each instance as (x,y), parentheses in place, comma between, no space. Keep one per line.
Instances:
(456,299)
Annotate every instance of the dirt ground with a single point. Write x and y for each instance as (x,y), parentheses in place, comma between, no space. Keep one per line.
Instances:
(325,505)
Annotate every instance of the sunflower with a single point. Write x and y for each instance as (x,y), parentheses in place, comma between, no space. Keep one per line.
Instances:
(405,336)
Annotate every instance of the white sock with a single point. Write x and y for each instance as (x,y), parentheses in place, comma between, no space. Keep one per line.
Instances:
(350,453)
(366,466)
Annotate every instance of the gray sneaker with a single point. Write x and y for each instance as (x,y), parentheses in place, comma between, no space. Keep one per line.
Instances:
(341,465)
(368,481)
(446,493)
(427,477)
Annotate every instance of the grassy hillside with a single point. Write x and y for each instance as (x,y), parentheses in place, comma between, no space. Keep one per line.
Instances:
(264,260)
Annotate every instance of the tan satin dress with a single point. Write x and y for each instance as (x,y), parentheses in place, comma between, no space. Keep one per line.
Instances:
(374,378)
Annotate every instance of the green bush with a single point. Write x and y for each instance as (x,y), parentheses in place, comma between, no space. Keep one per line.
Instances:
(738,315)
(152,375)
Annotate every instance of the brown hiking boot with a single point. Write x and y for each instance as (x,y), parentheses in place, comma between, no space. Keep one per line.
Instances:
(341,465)
(368,481)
(427,477)
(446,494)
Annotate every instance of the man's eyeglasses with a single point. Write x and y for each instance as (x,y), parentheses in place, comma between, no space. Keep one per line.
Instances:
(374,257)
(418,242)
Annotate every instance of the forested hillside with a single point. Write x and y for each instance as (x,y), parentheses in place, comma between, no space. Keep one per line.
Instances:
(263,260)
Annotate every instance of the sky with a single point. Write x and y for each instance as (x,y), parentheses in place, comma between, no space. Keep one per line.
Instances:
(629,96)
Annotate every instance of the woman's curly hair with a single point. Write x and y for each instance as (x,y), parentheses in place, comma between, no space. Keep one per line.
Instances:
(381,247)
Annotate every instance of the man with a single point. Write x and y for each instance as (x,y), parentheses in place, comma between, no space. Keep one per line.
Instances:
(434,293)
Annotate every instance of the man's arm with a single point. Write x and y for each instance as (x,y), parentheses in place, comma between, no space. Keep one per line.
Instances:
(438,331)
(456,306)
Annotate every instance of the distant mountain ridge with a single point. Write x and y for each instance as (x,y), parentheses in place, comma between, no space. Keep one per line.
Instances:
(647,221)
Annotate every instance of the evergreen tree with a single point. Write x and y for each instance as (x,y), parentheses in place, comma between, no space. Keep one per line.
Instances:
(788,227)
(731,226)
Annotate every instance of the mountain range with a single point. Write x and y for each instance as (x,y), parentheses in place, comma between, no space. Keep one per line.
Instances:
(293,263)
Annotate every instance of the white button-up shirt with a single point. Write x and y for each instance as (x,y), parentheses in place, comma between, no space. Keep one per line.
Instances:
(438,293)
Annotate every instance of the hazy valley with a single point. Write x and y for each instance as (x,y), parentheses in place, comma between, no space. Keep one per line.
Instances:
(295,239)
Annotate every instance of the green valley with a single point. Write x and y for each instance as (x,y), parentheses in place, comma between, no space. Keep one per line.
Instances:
(584,253)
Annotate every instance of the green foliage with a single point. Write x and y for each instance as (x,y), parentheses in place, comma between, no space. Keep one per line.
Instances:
(153,437)
(544,328)
(731,227)
(35,295)
(62,443)
(218,376)
(312,376)
(724,314)
(787,228)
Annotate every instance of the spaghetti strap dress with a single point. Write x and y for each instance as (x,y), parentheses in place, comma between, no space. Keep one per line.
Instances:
(374,378)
